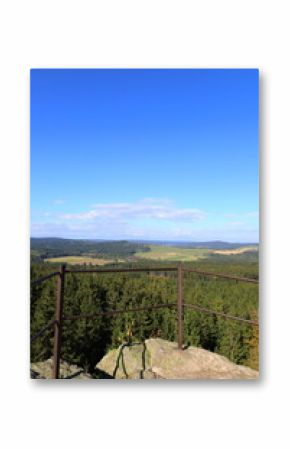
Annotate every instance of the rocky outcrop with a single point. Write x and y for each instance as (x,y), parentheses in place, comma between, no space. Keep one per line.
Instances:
(43,370)
(157,358)
(153,359)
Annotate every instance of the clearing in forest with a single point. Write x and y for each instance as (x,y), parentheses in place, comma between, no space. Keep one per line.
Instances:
(173,253)
(80,260)
(228,252)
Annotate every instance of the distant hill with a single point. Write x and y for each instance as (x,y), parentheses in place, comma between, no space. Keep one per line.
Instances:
(48,247)
(45,248)
(215,244)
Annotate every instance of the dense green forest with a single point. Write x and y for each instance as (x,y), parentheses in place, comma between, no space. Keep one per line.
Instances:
(85,341)
(44,248)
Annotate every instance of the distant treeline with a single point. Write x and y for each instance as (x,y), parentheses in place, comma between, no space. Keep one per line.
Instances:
(45,248)
(216,244)
(86,341)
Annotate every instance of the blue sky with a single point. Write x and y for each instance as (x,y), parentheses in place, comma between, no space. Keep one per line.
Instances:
(145,154)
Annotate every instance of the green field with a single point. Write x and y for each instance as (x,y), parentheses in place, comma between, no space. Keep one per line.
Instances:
(79,260)
(173,253)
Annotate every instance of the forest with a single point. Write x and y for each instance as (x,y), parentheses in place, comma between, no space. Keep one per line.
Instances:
(85,341)
(44,248)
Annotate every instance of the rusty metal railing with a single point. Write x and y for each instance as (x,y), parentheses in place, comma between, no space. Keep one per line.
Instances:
(180,304)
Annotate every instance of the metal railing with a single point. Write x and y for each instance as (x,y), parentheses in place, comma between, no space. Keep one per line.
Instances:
(180,305)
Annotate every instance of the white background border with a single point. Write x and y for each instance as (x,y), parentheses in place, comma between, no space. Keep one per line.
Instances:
(150,33)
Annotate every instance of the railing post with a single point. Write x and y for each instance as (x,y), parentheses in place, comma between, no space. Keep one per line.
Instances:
(179,305)
(58,322)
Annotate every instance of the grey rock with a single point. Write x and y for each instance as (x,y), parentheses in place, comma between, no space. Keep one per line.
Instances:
(43,370)
(157,358)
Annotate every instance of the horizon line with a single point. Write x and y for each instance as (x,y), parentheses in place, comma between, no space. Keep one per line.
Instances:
(143,239)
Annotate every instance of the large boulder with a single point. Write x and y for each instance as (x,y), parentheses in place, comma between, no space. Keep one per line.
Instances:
(157,358)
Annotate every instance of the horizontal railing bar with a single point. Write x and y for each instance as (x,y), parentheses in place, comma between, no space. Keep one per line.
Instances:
(224,315)
(44,278)
(226,276)
(39,333)
(114,312)
(122,270)
(129,270)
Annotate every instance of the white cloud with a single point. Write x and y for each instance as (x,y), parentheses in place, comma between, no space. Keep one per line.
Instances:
(148,208)
(111,230)
(149,218)
(254,214)
(58,202)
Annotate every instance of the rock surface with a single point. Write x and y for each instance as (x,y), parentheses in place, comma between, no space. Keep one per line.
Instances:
(43,370)
(157,358)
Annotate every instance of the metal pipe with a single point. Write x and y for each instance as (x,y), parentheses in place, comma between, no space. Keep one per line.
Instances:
(41,331)
(123,270)
(58,322)
(226,276)
(180,305)
(224,315)
(44,278)
(115,312)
